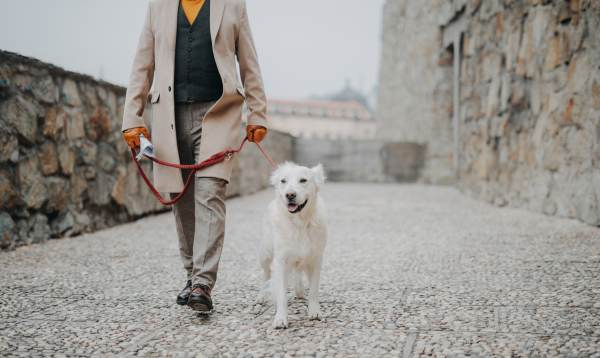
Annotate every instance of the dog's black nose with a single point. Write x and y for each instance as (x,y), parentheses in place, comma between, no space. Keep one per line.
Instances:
(290,196)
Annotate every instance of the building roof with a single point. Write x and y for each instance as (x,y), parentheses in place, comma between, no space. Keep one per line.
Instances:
(326,109)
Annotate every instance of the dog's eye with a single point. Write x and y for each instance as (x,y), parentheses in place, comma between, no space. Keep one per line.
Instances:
(283,181)
(303,180)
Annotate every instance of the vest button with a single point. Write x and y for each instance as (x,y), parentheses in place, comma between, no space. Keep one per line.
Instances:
(169,88)
(190,31)
(188,82)
(191,40)
(189,50)
(189,60)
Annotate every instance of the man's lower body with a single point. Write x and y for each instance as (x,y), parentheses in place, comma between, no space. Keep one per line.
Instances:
(199,214)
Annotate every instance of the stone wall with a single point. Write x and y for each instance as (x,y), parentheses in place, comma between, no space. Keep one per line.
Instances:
(530,106)
(415,85)
(64,166)
(529,101)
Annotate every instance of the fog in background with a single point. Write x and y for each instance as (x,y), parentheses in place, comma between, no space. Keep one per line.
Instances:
(305,47)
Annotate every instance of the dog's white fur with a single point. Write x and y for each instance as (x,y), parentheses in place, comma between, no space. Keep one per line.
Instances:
(293,243)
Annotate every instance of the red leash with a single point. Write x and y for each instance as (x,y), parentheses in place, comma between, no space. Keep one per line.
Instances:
(217,158)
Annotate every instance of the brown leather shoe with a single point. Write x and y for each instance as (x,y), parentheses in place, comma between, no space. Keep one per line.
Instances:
(199,299)
(182,297)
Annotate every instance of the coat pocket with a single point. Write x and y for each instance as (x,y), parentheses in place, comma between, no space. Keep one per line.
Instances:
(241,92)
(155,97)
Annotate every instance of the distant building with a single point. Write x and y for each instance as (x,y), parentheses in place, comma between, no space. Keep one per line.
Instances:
(321,119)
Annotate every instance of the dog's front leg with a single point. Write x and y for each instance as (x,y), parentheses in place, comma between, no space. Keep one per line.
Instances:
(314,274)
(280,288)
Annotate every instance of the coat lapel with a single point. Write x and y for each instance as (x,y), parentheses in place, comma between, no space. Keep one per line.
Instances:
(216,15)
(171,10)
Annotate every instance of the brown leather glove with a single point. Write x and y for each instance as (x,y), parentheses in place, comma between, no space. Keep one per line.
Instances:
(257,135)
(132,136)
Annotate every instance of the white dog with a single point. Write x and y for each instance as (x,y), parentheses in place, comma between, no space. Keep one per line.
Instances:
(294,237)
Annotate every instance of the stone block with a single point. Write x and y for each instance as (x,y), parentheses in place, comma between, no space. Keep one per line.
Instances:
(119,189)
(58,195)
(78,186)
(553,58)
(100,124)
(493,97)
(43,89)
(505,92)
(8,230)
(9,147)
(106,159)
(88,151)
(70,93)
(568,115)
(47,158)
(8,196)
(22,114)
(66,158)
(88,92)
(39,230)
(564,12)
(596,95)
(100,189)
(492,64)
(536,97)
(31,184)
(62,224)
(54,122)
(75,127)
(517,96)
(579,73)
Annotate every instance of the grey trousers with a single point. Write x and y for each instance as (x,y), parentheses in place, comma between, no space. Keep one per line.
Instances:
(200,213)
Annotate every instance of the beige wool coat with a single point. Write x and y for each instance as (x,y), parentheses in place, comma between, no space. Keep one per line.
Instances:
(155,60)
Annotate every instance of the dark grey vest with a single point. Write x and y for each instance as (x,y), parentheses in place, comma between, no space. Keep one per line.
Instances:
(196,75)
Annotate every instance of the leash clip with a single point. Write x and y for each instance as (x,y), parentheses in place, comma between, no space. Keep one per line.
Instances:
(229,156)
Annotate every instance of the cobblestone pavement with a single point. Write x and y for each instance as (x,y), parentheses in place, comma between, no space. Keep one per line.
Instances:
(410,271)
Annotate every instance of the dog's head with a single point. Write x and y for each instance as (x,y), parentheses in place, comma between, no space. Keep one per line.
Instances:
(297,186)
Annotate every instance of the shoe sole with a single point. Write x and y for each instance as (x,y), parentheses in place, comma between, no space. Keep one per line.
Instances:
(182,302)
(200,306)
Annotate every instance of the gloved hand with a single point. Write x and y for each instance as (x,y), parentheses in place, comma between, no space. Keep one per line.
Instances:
(258,135)
(132,136)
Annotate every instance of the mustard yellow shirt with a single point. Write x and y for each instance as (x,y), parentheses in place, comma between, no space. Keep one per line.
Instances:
(192,8)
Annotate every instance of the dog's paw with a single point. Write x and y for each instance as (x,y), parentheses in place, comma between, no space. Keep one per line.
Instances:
(280,322)
(314,313)
(300,294)
(261,298)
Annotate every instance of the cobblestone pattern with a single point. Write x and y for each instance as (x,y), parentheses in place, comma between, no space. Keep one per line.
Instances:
(409,271)
(64,166)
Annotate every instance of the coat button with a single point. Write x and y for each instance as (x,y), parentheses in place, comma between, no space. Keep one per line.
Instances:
(190,31)
(169,88)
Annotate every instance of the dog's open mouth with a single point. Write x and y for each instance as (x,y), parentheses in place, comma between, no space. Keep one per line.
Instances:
(295,208)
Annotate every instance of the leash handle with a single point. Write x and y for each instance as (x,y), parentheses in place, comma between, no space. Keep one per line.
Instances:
(259,147)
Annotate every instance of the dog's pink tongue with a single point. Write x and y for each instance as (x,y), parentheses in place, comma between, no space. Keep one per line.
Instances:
(292,208)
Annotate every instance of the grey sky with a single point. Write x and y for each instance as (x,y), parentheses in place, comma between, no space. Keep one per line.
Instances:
(305,47)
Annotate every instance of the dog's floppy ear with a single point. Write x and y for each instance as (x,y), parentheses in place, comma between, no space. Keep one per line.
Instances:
(319,174)
(274,178)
